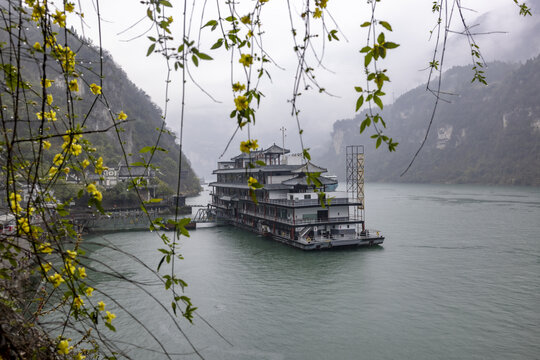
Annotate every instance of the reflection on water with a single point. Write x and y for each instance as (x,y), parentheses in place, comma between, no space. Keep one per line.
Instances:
(451,282)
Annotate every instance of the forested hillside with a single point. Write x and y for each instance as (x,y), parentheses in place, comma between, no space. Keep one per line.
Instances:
(142,128)
(481,134)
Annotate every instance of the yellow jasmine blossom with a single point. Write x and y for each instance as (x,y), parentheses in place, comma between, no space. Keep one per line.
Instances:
(69,268)
(23,225)
(92,190)
(247,146)
(78,302)
(72,254)
(82,272)
(96,89)
(47,267)
(63,347)
(74,85)
(37,46)
(49,99)
(80,356)
(39,115)
(15,196)
(89,291)
(75,149)
(241,103)
(59,18)
(38,12)
(46,144)
(46,83)
(101,306)
(99,166)
(238,87)
(58,159)
(246,59)
(249,34)
(66,170)
(45,248)
(317,14)
(56,279)
(85,163)
(252,182)
(53,170)
(122,116)
(246,19)
(322,3)
(110,317)
(69,7)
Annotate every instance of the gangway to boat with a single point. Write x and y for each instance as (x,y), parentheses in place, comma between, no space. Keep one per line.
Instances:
(205,217)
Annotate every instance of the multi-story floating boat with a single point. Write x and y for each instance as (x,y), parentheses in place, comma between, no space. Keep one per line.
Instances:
(288,206)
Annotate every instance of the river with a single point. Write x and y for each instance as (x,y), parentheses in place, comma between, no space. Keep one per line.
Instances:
(458,277)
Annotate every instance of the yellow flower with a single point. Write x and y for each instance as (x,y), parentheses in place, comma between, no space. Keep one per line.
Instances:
(99,166)
(252,182)
(69,268)
(322,3)
(122,116)
(66,170)
(46,144)
(63,347)
(82,272)
(110,317)
(249,34)
(317,14)
(96,89)
(78,302)
(37,46)
(246,59)
(80,356)
(53,170)
(101,306)
(69,7)
(74,149)
(45,248)
(58,159)
(56,279)
(85,163)
(74,85)
(246,19)
(241,103)
(47,267)
(72,254)
(238,87)
(23,225)
(46,83)
(59,18)
(247,146)
(49,99)
(89,291)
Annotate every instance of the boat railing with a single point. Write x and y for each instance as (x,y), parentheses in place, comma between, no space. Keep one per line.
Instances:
(291,221)
(301,202)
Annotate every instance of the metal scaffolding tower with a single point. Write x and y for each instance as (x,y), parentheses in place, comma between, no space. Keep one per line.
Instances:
(355,179)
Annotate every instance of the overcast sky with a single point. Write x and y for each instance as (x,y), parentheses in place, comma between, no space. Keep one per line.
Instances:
(207,124)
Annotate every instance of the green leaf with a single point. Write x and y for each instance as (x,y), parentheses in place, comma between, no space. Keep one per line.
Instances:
(203,56)
(366,24)
(379,141)
(260,163)
(306,155)
(390,45)
(359,102)
(367,59)
(358,89)
(218,44)
(195,60)
(165,3)
(385,25)
(365,49)
(212,23)
(380,38)
(150,49)
(378,101)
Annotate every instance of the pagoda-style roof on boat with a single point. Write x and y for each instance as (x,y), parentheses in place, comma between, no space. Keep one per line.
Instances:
(309,167)
(302,180)
(251,155)
(265,169)
(274,149)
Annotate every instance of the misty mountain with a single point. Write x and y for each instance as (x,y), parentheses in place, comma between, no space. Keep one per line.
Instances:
(482,134)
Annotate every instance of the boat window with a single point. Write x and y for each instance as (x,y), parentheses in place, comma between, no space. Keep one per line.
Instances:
(307,196)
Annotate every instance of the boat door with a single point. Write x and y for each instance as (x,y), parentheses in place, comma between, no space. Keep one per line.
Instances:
(322,215)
